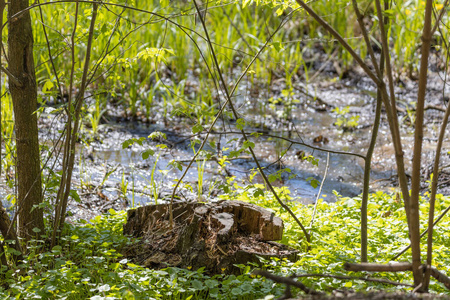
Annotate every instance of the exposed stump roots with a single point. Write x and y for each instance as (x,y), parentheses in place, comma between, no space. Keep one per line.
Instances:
(214,235)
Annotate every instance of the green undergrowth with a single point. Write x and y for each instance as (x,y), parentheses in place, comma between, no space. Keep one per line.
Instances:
(143,60)
(88,264)
(335,238)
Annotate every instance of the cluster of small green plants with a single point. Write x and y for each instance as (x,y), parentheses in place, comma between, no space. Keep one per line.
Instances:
(89,263)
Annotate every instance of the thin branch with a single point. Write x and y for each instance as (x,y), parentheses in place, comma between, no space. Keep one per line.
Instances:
(295,142)
(441,277)
(422,234)
(50,52)
(340,39)
(390,105)
(439,18)
(78,104)
(67,142)
(414,212)
(359,17)
(320,191)
(11,76)
(377,280)
(373,140)
(391,267)
(434,184)
(287,281)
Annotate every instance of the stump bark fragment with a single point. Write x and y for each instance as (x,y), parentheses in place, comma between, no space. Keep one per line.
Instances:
(215,236)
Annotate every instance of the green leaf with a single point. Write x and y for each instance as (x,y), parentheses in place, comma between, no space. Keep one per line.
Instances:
(147,153)
(236,291)
(176,165)
(157,53)
(126,144)
(389,13)
(75,196)
(197,128)
(196,284)
(13,251)
(246,288)
(211,283)
(240,123)
(248,144)
(234,154)
(48,85)
(157,135)
(277,46)
(57,249)
(258,192)
(272,177)
(313,182)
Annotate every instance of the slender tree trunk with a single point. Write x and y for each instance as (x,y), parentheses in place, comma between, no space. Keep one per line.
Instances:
(418,138)
(24,98)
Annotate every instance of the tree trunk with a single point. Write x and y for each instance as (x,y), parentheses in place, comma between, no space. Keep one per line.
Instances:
(24,97)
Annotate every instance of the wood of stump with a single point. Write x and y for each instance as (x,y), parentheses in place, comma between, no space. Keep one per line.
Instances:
(215,235)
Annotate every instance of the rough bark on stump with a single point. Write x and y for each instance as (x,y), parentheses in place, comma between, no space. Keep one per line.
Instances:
(215,235)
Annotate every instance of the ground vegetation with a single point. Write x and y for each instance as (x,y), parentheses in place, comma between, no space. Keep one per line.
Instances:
(208,84)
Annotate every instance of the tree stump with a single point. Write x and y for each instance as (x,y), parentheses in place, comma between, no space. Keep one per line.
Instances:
(215,236)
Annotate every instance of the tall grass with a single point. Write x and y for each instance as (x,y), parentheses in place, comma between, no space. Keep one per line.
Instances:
(237,32)
(179,79)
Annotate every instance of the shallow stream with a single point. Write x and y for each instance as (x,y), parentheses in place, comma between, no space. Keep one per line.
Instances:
(306,120)
(108,176)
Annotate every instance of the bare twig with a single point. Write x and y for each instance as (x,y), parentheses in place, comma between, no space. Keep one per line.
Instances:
(11,76)
(441,277)
(2,210)
(340,39)
(434,184)
(297,143)
(67,142)
(435,107)
(439,17)
(287,281)
(391,267)
(377,280)
(72,128)
(320,191)
(50,52)
(376,124)
(414,229)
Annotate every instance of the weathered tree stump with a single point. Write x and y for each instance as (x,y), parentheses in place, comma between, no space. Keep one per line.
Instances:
(215,236)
